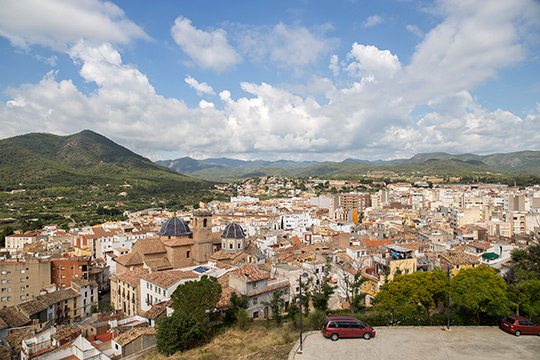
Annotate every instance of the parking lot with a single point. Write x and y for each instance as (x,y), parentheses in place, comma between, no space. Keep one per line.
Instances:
(422,343)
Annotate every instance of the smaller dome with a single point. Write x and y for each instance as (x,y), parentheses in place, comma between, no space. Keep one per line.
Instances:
(233,231)
(174,227)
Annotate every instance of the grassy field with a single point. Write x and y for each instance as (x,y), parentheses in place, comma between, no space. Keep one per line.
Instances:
(259,341)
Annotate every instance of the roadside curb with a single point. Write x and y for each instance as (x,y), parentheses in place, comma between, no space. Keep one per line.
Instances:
(294,351)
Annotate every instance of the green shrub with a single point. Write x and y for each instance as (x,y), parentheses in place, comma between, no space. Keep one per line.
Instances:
(242,318)
(315,320)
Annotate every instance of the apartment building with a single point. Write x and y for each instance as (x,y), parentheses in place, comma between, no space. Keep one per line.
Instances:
(66,269)
(125,291)
(22,279)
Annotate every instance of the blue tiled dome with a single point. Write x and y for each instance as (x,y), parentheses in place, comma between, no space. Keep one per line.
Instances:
(233,231)
(174,227)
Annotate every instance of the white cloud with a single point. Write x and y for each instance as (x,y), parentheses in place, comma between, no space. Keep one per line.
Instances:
(365,115)
(458,124)
(373,20)
(472,43)
(284,45)
(415,30)
(200,88)
(369,61)
(58,23)
(209,50)
(334,65)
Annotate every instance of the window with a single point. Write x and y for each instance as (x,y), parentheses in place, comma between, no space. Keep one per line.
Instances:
(23,271)
(4,281)
(22,288)
(23,279)
(187,254)
(3,272)
(3,299)
(255,301)
(255,285)
(23,297)
(255,314)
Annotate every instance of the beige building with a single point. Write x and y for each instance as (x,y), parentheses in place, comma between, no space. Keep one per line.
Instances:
(16,242)
(22,279)
(176,246)
(125,291)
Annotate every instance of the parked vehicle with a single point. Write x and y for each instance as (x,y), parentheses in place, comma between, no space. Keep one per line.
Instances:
(335,327)
(518,325)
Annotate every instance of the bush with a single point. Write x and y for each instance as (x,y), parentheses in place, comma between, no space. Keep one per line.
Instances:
(179,332)
(315,320)
(242,318)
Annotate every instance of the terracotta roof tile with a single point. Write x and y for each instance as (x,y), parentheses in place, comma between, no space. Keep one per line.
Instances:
(249,273)
(64,332)
(166,279)
(158,264)
(131,277)
(31,307)
(133,334)
(57,296)
(131,259)
(157,310)
(16,336)
(151,245)
(14,318)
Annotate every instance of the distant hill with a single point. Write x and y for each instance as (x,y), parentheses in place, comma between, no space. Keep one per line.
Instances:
(431,164)
(225,169)
(41,160)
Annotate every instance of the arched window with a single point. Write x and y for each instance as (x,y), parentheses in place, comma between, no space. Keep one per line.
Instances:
(205,222)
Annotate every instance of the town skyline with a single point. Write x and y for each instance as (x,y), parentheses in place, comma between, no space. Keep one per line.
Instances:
(297,81)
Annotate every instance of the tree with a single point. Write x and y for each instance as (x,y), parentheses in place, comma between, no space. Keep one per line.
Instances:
(524,292)
(277,303)
(393,294)
(179,332)
(318,289)
(480,290)
(352,290)
(427,288)
(197,297)
(238,303)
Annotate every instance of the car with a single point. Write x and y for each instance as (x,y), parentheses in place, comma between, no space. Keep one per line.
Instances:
(335,327)
(518,325)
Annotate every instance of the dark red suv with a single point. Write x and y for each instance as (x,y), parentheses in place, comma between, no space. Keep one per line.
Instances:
(518,325)
(335,327)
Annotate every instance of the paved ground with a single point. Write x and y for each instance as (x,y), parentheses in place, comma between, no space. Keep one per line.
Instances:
(422,343)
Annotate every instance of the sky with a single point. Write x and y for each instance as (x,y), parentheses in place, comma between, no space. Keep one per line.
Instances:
(295,79)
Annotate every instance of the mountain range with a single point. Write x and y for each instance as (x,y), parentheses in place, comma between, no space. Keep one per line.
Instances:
(39,160)
(430,164)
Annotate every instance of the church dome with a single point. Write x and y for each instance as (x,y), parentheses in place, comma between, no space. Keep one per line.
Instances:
(174,227)
(233,231)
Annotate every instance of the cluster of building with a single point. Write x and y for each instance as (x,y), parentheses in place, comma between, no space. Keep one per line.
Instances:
(53,282)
